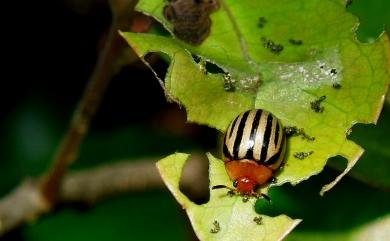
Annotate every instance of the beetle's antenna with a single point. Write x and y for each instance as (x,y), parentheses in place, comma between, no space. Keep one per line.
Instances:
(258,195)
(222,186)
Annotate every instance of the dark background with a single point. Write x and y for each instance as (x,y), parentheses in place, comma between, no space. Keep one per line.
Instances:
(48,52)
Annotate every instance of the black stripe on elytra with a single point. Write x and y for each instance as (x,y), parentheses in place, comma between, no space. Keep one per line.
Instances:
(225,150)
(276,133)
(233,125)
(255,125)
(240,131)
(276,157)
(267,135)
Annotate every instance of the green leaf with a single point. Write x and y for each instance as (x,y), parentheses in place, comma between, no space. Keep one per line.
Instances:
(348,208)
(373,168)
(235,218)
(285,83)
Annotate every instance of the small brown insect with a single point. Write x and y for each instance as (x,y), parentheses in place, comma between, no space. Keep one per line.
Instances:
(302,155)
(190,19)
(258,220)
(216,227)
(272,46)
(227,83)
(295,41)
(336,85)
(294,131)
(316,105)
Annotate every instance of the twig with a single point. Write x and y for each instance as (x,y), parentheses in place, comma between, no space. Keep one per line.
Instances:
(68,150)
(26,202)
(100,182)
(35,197)
(23,204)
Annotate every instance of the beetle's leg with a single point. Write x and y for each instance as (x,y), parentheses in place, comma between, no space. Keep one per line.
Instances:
(258,195)
(266,197)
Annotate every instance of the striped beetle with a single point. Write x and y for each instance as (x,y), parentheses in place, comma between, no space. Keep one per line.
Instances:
(254,147)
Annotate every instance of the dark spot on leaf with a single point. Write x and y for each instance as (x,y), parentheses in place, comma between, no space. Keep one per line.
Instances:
(336,85)
(258,220)
(294,131)
(231,193)
(333,72)
(348,3)
(227,83)
(295,42)
(302,155)
(290,131)
(216,227)
(316,105)
(262,22)
(272,46)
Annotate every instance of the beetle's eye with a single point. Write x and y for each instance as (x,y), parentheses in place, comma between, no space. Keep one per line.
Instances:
(235,183)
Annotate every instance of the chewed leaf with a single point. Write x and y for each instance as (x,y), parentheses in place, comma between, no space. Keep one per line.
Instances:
(224,217)
(299,60)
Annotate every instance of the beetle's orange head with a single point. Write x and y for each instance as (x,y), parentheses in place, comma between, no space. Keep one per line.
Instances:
(245,185)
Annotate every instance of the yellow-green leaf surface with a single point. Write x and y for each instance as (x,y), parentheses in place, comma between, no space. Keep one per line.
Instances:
(285,83)
(234,217)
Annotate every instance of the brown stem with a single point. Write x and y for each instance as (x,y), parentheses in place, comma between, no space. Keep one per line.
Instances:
(68,150)
(26,202)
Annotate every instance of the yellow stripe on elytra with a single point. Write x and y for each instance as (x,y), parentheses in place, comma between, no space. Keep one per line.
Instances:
(244,142)
(260,136)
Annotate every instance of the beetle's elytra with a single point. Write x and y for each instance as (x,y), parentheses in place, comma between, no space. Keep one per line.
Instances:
(254,148)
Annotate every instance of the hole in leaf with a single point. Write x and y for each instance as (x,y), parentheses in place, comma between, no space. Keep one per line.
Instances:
(213,68)
(337,162)
(373,16)
(148,60)
(195,184)
(348,205)
(373,166)
(209,67)
(196,58)
(152,59)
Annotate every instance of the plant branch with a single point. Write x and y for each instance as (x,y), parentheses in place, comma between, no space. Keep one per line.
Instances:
(27,203)
(68,150)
